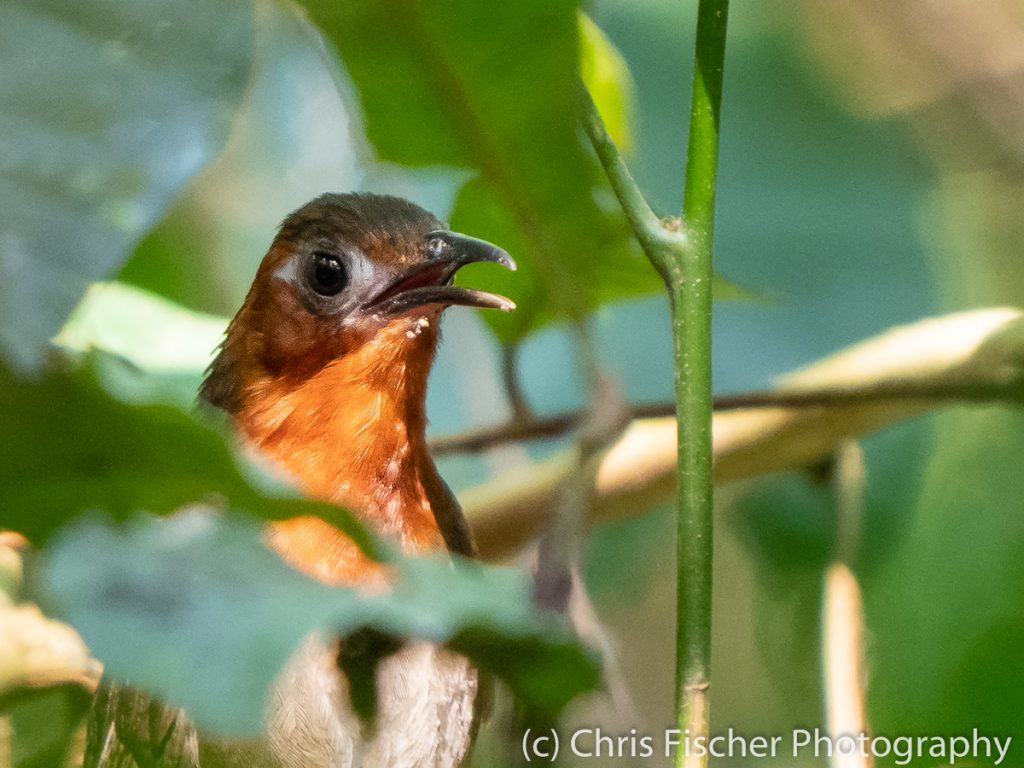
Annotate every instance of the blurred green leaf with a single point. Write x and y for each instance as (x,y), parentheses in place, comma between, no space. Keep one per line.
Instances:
(99,139)
(12,572)
(494,88)
(197,610)
(786,522)
(293,137)
(68,446)
(957,581)
(151,332)
(606,75)
(164,347)
(43,723)
(46,677)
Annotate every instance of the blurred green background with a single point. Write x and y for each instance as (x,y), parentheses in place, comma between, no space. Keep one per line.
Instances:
(854,216)
(871,175)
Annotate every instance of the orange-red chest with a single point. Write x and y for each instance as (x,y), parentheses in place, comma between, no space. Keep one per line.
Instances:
(352,434)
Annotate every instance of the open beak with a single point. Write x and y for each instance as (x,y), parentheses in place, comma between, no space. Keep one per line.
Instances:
(430,281)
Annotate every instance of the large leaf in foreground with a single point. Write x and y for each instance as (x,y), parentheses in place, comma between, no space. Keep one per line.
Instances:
(196,609)
(67,446)
(494,87)
(106,111)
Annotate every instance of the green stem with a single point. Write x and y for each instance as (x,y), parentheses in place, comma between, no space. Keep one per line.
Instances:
(683,258)
(660,244)
(691,316)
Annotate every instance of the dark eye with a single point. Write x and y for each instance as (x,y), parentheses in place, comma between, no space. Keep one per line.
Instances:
(329,276)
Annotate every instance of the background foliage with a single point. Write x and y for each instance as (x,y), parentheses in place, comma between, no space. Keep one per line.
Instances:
(164,142)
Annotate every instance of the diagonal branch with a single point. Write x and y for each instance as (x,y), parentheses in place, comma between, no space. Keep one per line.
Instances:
(547,427)
(980,351)
(658,241)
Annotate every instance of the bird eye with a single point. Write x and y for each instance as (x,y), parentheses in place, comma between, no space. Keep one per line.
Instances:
(329,276)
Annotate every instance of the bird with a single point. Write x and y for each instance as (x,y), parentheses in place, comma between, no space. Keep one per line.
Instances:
(324,372)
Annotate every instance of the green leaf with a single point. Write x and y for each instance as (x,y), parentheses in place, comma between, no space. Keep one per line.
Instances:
(292,138)
(154,334)
(43,722)
(956,579)
(44,687)
(166,347)
(197,610)
(106,111)
(67,446)
(606,75)
(494,88)
(12,571)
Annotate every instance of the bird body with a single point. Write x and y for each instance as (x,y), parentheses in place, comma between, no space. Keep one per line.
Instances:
(354,434)
(324,371)
(425,715)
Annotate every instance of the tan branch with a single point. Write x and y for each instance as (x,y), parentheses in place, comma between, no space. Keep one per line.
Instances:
(974,356)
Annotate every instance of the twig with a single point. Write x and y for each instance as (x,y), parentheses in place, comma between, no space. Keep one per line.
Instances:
(557,425)
(842,619)
(658,242)
(521,410)
(982,349)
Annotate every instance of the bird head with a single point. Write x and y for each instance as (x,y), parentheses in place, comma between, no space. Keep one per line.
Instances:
(349,276)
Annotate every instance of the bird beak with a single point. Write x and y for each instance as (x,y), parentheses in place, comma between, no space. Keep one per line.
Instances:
(430,281)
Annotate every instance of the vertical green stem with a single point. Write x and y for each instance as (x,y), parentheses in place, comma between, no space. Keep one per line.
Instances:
(691,315)
(683,258)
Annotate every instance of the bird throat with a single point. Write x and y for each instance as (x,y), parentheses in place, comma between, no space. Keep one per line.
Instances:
(352,433)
